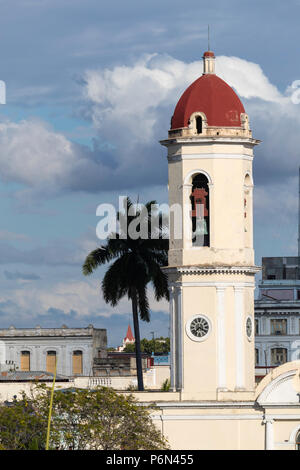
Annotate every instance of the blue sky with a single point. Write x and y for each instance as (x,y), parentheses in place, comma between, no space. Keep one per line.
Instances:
(91,88)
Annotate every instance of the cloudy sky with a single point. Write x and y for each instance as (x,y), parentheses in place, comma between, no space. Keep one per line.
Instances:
(91,88)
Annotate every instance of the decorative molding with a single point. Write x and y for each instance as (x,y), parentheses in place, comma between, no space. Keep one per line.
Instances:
(197,172)
(209,405)
(208,156)
(210,140)
(214,284)
(213,270)
(207,417)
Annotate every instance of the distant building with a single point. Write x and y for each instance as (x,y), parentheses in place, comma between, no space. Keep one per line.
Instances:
(129,339)
(277,314)
(38,349)
(110,364)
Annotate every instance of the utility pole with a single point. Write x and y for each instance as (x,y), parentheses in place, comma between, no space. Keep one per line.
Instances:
(152,333)
(299,224)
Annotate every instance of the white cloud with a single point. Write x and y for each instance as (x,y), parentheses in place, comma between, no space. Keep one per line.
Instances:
(33,154)
(131,107)
(6,235)
(83,297)
(248,79)
(129,98)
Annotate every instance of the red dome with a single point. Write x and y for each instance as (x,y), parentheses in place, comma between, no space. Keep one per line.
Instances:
(212,96)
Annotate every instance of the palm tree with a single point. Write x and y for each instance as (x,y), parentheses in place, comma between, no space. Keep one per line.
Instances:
(136,263)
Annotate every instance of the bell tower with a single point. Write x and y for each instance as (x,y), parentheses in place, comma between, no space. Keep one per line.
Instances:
(211,260)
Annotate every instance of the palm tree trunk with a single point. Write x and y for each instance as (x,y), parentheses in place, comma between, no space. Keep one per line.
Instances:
(137,341)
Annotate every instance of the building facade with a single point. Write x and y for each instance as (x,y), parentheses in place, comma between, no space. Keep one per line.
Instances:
(277,314)
(38,349)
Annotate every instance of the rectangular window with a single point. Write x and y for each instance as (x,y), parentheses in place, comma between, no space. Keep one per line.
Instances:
(256,357)
(77,362)
(278,356)
(25,361)
(278,327)
(256,327)
(51,361)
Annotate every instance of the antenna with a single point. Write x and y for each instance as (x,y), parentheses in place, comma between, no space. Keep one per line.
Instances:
(299,219)
(208,38)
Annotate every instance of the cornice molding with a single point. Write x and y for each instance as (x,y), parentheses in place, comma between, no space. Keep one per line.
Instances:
(209,140)
(212,270)
(209,156)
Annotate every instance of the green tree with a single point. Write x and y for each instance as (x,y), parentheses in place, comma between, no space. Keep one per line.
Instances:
(99,419)
(159,345)
(82,419)
(136,263)
(21,427)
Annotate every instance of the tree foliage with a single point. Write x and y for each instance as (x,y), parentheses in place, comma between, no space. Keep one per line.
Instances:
(159,345)
(82,419)
(21,427)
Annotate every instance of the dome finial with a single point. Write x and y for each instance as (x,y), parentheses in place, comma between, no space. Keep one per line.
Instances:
(208,57)
(208,62)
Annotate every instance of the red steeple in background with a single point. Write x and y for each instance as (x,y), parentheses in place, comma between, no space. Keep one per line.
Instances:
(129,336)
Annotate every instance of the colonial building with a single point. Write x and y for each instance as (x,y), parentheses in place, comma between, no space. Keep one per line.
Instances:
(277,314)
(38,349)
(214,402)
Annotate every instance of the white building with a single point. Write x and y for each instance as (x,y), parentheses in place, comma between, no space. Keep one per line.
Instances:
(277,314)
(38,349)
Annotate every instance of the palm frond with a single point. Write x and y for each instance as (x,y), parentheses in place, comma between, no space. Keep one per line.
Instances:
(115,282)
(96,258)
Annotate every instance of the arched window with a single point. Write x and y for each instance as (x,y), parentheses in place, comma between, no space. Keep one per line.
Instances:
(200,210)
(77,362)
(278,356)
(25,361)
(51,361)
(298,441)
(199,124)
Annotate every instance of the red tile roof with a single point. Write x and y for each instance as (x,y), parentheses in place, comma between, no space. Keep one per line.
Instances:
(212,96)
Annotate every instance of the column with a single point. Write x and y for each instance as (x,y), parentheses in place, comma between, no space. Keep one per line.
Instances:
(179,356)
(172,339)
(239,337)
(269,434)
(221,345)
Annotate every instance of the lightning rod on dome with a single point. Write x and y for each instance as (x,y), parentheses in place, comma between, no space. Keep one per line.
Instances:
(299,220)
(208,38)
